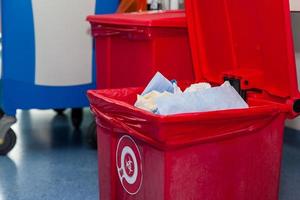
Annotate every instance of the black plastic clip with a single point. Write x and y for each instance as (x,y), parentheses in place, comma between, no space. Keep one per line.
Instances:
(236,84)
(296,106)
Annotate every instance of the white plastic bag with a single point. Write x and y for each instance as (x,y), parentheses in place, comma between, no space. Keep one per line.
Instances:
(211,99)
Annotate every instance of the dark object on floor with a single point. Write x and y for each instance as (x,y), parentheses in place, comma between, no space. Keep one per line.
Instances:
(60,111)
(9,142)
(92,135)
(76,116)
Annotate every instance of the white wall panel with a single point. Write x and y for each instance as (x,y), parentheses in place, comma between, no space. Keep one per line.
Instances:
(62,42)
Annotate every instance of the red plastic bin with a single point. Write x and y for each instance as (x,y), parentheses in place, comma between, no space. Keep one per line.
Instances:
(216,155)
(131,48)
(220,155)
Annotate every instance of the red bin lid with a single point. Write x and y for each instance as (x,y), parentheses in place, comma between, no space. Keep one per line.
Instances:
(150,19)
(247,39)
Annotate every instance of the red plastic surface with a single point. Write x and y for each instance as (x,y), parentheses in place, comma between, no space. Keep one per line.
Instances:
(233,154)
(116,106)
(249,40)
(129,55)
(150,19)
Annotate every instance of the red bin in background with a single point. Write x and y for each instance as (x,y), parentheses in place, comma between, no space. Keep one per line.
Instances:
(132,47)
(220,155)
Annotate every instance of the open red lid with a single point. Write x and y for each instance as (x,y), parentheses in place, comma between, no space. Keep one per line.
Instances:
(150,19)
(248,40)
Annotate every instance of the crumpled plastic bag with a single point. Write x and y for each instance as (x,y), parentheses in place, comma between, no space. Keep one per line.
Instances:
(211,99)
(197,87)
(147,102)
(163,97)
(159,83)
(176,89)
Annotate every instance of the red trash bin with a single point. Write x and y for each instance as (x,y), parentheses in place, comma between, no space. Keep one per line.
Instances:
(219,155)
(233,154)
(132,47)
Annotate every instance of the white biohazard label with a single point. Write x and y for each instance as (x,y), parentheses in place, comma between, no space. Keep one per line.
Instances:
(129,166)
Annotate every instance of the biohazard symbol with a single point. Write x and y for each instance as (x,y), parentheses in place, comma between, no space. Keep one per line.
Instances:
(129,165)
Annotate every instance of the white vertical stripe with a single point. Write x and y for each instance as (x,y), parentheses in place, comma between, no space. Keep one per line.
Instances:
(63,44)
(174,4)
(166,4)
(295,5)
(295,123)
(297,55)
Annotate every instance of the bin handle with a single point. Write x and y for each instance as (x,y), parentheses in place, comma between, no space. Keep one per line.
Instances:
(175,144)
(121,29)
(105,31)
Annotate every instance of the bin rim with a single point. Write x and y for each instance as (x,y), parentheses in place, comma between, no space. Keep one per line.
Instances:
(269,107)
(169,18)
(123,117)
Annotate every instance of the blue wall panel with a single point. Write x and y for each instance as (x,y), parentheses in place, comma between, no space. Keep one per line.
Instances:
(17,83)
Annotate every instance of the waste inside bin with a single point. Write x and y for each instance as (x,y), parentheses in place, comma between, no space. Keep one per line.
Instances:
(232,154)
(163,97)
(132,47)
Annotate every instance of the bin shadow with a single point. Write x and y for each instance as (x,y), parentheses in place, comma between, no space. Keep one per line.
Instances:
(292,138)
(62,134)
(8,178)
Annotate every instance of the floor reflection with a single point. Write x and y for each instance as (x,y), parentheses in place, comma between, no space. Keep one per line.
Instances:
(50,160)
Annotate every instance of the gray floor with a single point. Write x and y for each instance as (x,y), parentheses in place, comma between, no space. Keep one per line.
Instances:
(290,172)
(52,161)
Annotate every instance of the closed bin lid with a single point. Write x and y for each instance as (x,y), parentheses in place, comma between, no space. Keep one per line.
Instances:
(251,40)
(149,19)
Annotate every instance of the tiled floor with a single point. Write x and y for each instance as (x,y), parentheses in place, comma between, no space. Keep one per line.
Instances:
(52,162)
(290,173)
